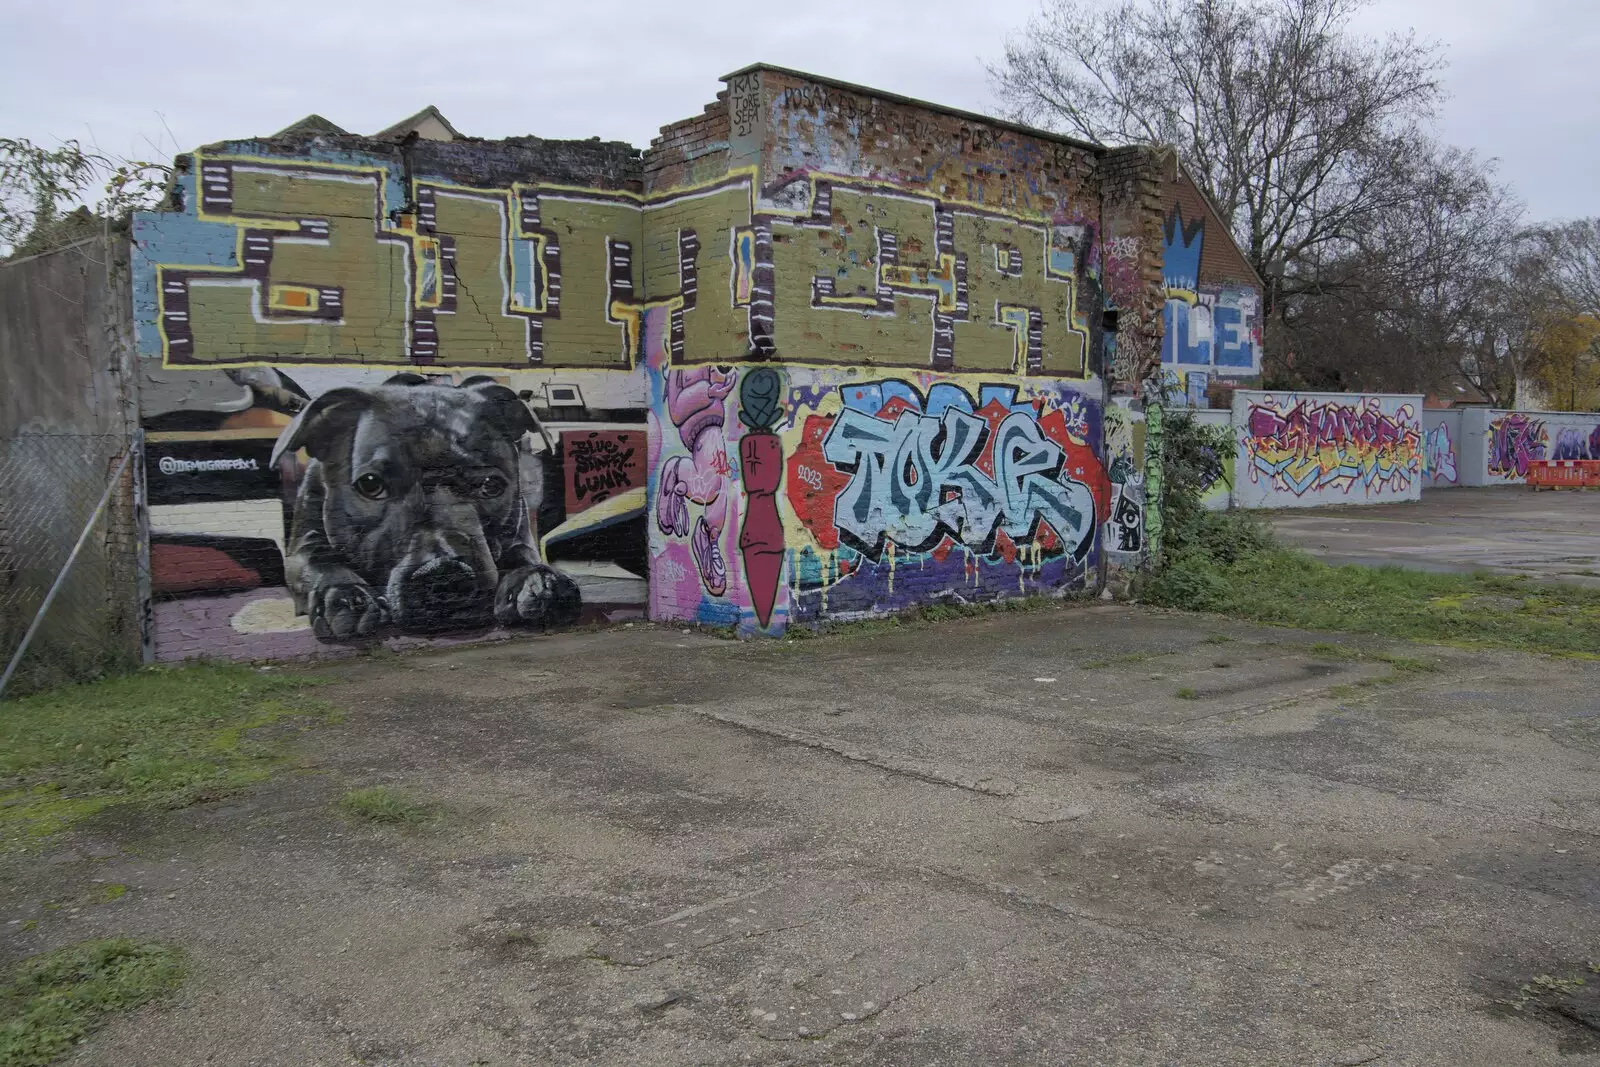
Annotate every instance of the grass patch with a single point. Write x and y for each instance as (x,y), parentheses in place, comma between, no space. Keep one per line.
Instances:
(1276,585)
(1217,639)
(51,1002)
(158,738)
(388,807)
(1186,693)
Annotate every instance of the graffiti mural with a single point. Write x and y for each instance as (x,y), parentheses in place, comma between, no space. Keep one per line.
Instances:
(411,512)
(911,487)
(696,407)
(1439,456)
(1328,449)
(292,513)
(761,546)
(1212,330)
(1573,443)
(1514,441)
(441,389)
(1154,478)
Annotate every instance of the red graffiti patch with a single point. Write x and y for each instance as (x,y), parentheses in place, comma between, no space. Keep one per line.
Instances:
(1080,461)
(813,482)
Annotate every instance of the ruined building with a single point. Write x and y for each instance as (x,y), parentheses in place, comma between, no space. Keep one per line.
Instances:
(818,353)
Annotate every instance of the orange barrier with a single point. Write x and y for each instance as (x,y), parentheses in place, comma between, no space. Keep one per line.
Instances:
(1564,473)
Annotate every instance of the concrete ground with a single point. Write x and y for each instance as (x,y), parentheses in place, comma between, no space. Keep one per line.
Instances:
(1550,535)
(1083,836)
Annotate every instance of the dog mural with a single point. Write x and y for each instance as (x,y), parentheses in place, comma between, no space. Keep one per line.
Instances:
(412,512)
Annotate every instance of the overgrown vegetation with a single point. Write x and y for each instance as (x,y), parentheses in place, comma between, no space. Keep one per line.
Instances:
(157,738)
(51,1002)
(39,186)
(1229,563)
(388,807)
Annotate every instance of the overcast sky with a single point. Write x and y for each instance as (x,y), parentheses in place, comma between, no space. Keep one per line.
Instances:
(152,77)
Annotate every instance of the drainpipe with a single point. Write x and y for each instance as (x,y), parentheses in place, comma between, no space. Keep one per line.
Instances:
(1109,322)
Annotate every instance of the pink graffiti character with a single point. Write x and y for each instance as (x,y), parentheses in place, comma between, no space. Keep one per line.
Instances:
(695,405)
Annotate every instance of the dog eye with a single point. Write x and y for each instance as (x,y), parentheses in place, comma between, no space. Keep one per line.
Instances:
(371,486)
(491,486)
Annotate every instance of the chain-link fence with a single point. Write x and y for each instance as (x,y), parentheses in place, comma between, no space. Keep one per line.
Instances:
(50,485)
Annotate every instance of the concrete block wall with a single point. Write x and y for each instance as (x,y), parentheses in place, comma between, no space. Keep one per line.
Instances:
(1496,446)
(1441,444)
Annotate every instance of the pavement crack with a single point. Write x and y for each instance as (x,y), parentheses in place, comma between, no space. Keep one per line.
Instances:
(1013,896)
(990,787)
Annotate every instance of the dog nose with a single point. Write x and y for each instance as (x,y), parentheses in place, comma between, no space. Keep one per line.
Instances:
(441,587)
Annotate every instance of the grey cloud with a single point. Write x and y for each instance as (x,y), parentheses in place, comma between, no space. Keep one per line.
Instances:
(1521,78)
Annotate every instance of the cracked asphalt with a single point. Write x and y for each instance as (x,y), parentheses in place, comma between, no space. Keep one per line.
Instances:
(1001,840)
(1506,529)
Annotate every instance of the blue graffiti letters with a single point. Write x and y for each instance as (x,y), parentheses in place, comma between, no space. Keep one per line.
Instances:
(920,477)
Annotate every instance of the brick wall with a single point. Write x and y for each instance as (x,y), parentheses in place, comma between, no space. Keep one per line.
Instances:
(851,345)
(691,150)
(920,417)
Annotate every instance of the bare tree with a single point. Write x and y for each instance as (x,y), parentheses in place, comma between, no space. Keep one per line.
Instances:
(1293,123)
(1392,262)
(1572,250)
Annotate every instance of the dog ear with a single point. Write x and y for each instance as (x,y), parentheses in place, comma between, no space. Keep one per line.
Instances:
(503,408)
(328,418)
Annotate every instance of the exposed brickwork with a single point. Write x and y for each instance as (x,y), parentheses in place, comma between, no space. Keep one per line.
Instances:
(693,150)
(1132,184)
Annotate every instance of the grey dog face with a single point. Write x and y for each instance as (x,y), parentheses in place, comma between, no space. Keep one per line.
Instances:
(420,494)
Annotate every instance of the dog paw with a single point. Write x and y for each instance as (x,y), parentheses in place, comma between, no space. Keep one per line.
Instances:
(342,610)
(537,594)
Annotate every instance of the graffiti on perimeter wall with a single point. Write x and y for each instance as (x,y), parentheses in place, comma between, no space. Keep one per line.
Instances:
(1331,449)
(1210,331)
(1515,439)
(1439,456)
(383,403)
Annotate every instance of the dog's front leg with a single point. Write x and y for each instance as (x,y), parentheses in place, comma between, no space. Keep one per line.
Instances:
(339,604)
(342,606)
(532,591)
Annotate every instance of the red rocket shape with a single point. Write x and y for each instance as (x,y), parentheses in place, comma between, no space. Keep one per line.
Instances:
(761,536)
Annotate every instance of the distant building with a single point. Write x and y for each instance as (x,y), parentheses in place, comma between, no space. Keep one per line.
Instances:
(1213,316)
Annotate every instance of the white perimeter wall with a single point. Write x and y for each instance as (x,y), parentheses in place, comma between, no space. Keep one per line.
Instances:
(1311,449)
(1496,446)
